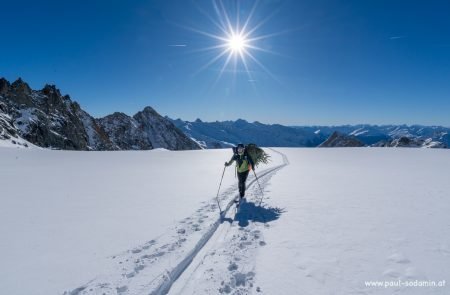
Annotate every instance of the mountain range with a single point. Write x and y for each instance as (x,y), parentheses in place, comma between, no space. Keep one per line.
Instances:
(46,118)
(228,133)
(51,120)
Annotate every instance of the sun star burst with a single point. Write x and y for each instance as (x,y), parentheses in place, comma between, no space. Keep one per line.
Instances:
(237,41)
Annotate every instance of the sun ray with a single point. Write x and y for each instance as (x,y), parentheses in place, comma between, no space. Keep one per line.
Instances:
(252,11)
(247,70)
(219,38)
(227,19)
(263,67)
(265,50)
(237,17)
(230,55)
(219,26)
(220,17)
(211,62)
(210,48)
(261,37)
(261,23)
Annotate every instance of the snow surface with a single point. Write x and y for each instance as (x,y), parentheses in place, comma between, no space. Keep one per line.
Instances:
(358,132)
(146,222)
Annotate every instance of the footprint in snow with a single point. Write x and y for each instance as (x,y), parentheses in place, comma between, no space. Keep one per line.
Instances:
(398,258)
(122,289)
(392,273)
(233,266)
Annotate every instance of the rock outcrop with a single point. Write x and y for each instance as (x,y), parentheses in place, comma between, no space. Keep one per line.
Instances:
(341,140)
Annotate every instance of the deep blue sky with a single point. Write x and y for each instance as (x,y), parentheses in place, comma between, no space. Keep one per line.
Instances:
(335,62)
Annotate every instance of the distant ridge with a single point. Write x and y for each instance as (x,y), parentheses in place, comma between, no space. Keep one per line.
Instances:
(226,133)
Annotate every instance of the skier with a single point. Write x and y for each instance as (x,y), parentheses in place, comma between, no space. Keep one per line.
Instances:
(244,164)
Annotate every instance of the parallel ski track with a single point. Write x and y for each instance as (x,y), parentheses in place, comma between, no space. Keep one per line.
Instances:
(178,270)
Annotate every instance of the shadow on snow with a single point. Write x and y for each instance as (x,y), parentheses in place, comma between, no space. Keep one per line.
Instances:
(250,212)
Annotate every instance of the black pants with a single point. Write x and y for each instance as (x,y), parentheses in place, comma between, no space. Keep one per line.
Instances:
(242,177)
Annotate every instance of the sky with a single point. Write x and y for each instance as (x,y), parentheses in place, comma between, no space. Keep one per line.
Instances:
(294,62)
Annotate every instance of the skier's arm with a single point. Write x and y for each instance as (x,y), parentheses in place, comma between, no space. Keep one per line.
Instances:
(230,162)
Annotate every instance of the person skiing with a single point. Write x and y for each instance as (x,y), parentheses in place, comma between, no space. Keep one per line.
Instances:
(244,164)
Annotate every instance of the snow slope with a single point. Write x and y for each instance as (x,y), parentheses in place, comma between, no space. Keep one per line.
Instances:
(147,222)
(356,215)
(64,213)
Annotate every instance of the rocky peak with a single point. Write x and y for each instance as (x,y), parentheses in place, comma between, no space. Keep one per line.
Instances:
(162,133)
(4,86)
(50,89)
(48,119)
(20,93)
(54,99)
(149,111)
(338,139)
(20,87)
(124,132)
(118,115)
(240,123)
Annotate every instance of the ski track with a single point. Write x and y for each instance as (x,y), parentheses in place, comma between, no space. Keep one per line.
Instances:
(154,267)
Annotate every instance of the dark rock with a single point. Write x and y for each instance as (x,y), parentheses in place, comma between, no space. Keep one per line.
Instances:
(125,132)
(162,133)
(4,86)
(341,140)
(7,128)
(20,93)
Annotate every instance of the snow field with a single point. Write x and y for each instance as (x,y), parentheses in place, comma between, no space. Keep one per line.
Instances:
(331,220)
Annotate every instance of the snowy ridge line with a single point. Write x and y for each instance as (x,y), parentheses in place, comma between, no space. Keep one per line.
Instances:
(176,272)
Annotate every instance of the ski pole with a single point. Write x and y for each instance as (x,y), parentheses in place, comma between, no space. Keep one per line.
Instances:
(262,193)
(217,197)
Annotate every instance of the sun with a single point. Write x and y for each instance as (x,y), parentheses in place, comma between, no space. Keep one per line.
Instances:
(237,43)
(236,39)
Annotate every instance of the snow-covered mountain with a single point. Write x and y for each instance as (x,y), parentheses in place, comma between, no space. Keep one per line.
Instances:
(48,119)
(222,134)
(338,139)
(227,133)
(405,141)
(378,134)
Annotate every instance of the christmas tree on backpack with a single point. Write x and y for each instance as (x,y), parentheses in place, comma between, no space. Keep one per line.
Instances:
(257,154)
